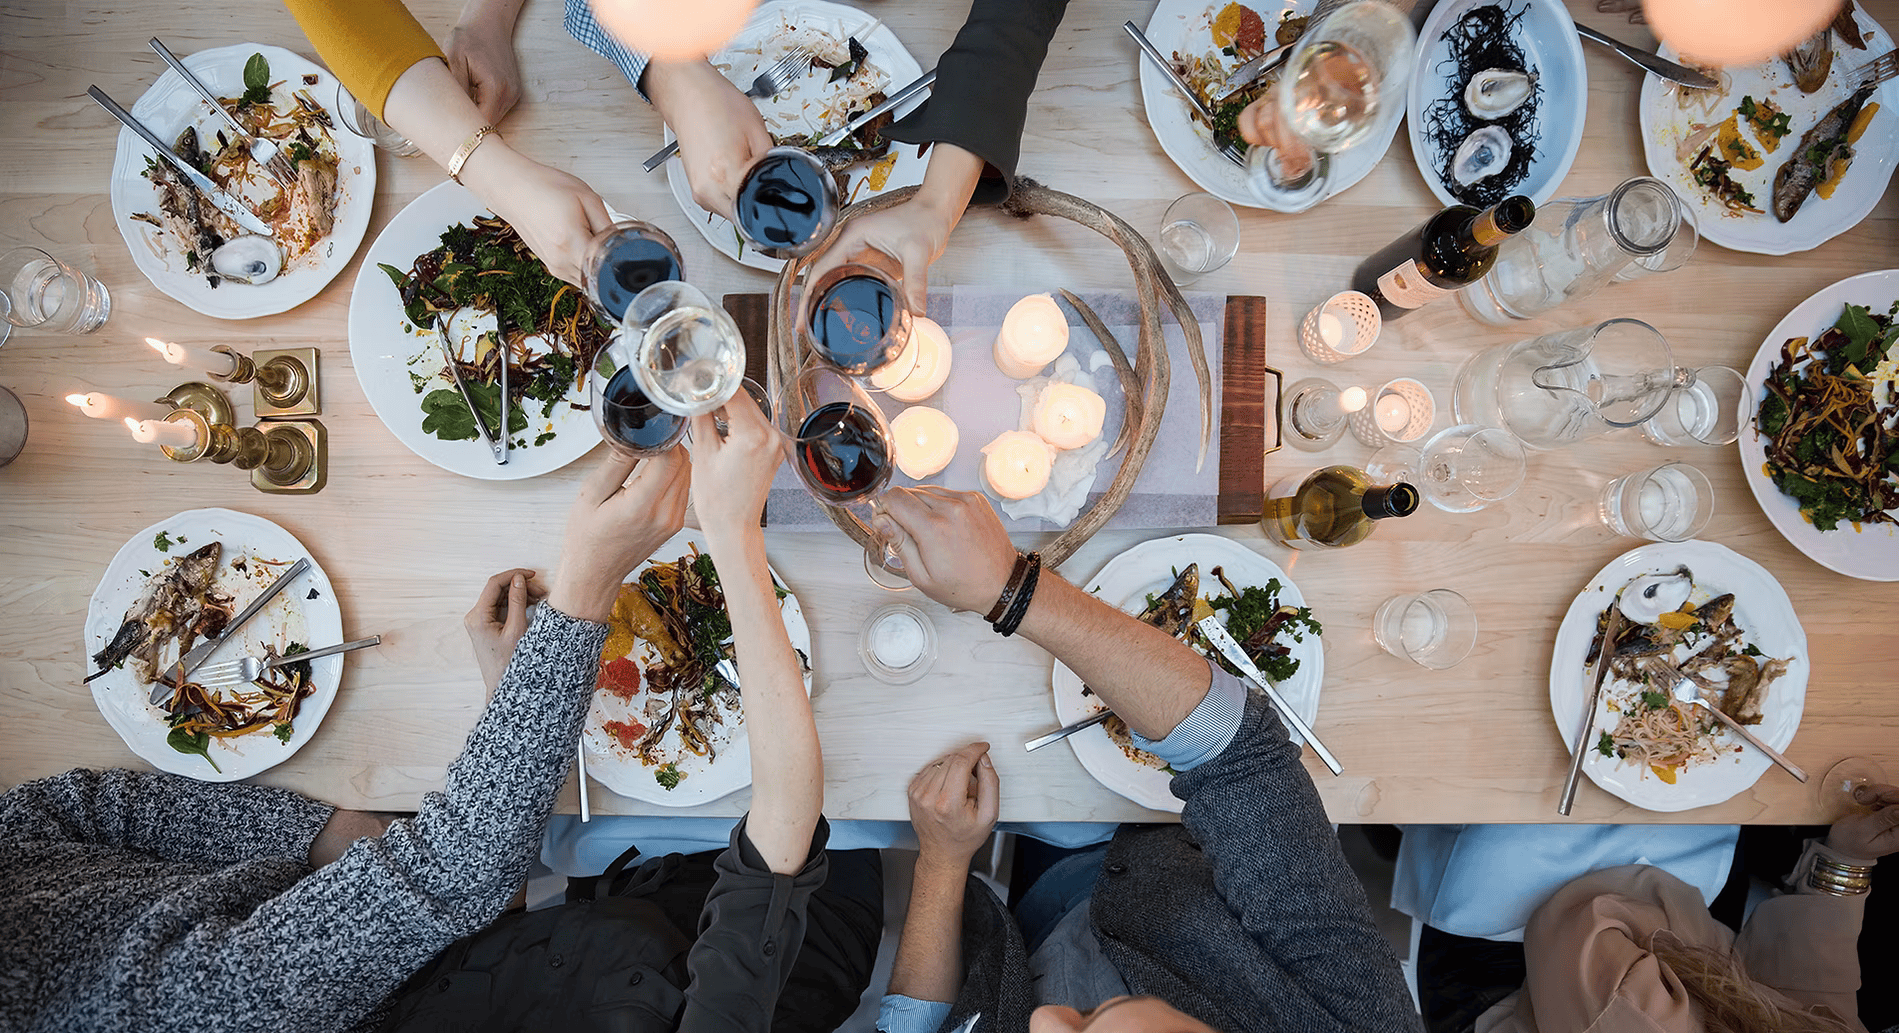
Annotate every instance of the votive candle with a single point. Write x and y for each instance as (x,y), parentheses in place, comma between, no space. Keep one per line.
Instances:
(1069,415)
(1033,334)
(923,365)
(161,432)
(102,406)
(1017,464)
(924,440)
(1392,412)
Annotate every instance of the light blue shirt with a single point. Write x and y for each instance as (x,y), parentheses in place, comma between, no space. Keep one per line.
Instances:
(582,26)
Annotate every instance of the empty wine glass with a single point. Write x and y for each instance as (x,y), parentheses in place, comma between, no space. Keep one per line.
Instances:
(1833,792)
(855,319)
(840,447)
(625,259)
(630,422)
(1343,84)
(1467,467)
(686,351)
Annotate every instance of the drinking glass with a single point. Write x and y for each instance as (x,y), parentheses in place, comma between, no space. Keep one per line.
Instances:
(1467,467)
(1434,629)
(1199,233)
(1674,254)
(855,319)
(13,426)
(786,203)
(1343,84)
(356,117)
(1834,790)
(625,259)
(1574,248)
(1707,408)
(40,292)
(630,422)
(686,352)
(840,447)
(1394,463)
(1316,413)
(1670,503)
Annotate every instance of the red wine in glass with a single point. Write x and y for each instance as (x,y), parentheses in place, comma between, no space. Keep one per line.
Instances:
(851,325)
(786,203)
(842,453)
(629,419)
(626,260)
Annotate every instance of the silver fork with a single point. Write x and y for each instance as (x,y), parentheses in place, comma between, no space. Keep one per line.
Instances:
(1686,688)
(768,84)
(248,669)
(1876,71)
(263,152)
(1230,152)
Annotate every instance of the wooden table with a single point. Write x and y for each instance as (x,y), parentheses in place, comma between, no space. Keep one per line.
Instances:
(407,545)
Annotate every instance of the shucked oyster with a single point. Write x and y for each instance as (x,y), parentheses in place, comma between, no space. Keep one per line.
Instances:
(1495,92)
(248,259)
(1483,154)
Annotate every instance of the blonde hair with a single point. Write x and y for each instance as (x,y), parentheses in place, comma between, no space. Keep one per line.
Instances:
(1730,1002)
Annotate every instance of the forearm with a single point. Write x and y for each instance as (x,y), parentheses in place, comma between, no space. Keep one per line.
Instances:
(167,816)
(368,44)
(1148,678)
(929,961)
(948,182)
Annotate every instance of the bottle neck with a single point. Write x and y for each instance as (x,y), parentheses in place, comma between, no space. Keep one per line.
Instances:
(1391,500)
(1491,226)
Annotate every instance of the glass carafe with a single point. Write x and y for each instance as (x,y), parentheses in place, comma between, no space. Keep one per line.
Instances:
(1567,386)
(1573,249)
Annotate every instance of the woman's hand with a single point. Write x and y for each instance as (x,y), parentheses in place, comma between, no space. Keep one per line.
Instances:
(626,509)
(719,129)
(1873,833)
(481,54)
(952,544)
(1261,126)
(499,619)
(557,214)
(916,231)
(733,471)
(953,806)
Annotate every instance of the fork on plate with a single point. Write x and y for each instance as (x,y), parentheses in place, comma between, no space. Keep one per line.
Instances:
(246,670)
(1874,72)
(1230,152)
(264,152)
(768,84)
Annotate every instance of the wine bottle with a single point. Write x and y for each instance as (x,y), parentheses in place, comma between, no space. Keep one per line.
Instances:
(1332,507)
(1453,249)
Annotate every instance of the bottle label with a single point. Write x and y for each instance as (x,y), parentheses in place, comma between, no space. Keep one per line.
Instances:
(1406,286)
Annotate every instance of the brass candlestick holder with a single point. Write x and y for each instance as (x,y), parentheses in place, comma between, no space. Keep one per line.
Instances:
(203,399)
(285,457)
(283,380)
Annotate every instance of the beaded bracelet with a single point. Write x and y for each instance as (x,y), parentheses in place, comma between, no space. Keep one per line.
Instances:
(1020,608)
(1008,591)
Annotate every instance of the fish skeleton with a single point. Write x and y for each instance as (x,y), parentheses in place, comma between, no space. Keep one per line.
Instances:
(1809,164)
(178,606)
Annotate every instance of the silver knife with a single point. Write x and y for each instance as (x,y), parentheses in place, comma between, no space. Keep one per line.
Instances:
(1167,68)
(1215,633)
(1610,629)
(1067,730)
(227,204)
(1661,66)
(918,85)
(455,371)
(202,651)
(1252,71)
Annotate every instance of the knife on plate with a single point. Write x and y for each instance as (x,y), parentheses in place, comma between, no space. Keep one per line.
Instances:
(1067,730)
(1251,72)
(202,651)
(1661,66)
(1215,633)
(1610,629)
(225,203)
(917,85)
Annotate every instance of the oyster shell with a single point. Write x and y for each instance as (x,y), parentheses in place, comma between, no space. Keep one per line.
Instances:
(1483,154)
(1646,598)
(1495,92)
(248,259)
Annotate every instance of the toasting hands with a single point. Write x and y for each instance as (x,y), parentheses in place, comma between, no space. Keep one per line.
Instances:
(626,509)
(720,132)
(952,545)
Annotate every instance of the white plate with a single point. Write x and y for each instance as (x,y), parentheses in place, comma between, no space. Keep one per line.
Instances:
(1182,25)
(1764,614)
(750,53)
(1125,582)
(1819,220)
(1872,552)
(1554,53)
(386,355)
(702,781)
(291,617)
(166,108)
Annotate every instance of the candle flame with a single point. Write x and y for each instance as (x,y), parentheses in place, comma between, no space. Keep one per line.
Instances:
(132,425)
(80,400)
(1352,399)
(162,348)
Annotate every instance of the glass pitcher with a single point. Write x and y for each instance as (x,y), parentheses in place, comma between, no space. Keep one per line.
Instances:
(1567,386)
(1574,248)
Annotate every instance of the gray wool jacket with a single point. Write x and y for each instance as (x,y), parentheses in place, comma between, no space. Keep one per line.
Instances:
(135,901)
(1245,915)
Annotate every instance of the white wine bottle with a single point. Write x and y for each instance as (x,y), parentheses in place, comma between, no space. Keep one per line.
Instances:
(1453,249)
(1332,507)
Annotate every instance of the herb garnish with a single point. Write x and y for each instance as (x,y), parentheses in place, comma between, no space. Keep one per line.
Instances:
(668,776)
(162,542)
(185,741)
(256,82)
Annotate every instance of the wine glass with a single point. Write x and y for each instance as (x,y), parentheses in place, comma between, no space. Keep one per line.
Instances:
(625,259)
(686,352)
(855,319)
(786,203)
(1467,467)
(840,447)
(1833,792)
(630,422)
(1343,84)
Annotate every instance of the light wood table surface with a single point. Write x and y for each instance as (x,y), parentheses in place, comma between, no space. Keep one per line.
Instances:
(408,545)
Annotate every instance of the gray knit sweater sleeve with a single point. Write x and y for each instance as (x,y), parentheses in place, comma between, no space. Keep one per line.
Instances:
(323,953)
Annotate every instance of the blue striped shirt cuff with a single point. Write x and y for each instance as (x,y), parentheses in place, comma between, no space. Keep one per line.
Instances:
(582,26)
(1206,731)
(900,1014)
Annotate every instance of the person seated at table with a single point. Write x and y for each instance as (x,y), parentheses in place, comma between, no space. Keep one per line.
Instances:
(973,118)
(1244,917)
(139,901)
(480,54)
(387,60)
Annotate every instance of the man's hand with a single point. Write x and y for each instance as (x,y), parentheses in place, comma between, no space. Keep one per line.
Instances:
(499,619)
(735,469)
(557,214)
(953,805)
(914,232)
(719,129)
(1261,126)
(1873,833)
(621,516)
(481,54)
(952,544)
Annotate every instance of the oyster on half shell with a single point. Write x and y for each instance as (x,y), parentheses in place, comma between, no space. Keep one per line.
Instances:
(1483,154)
(1495,92)
(248,259)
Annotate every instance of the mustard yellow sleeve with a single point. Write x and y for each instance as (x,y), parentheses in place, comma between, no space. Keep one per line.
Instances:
(367,43)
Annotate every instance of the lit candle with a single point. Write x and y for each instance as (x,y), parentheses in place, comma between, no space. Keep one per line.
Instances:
(101,406)
(924,439)
(161,432)
(926,357)
(1393,412)
(1032,335)
(197,358)
(1352,399)
(1069,415)
(1016,464)
(1330,329)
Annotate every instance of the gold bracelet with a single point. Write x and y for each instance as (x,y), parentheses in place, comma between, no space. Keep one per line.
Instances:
(1837,878)
(467,148)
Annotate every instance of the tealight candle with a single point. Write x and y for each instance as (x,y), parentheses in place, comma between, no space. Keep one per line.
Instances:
(1033,334)
(214,362)
(1331,331)
(101,406)
(1017,464)
(1393,412)
(161,432)
(926,357)
(1069,415)
(924,440)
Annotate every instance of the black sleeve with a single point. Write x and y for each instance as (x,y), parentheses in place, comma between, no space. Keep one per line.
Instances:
(983,81)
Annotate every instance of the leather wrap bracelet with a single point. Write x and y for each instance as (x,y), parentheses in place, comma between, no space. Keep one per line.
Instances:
(1020,607)
(1009,590)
